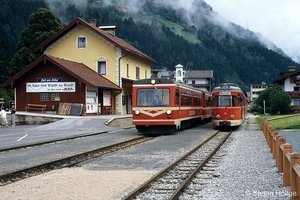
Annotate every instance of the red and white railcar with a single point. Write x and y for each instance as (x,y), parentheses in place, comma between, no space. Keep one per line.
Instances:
(229,106)
(181,106)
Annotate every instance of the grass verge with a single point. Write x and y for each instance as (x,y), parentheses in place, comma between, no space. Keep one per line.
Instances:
(281,122)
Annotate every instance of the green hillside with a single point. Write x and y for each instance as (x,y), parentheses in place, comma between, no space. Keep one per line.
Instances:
(178,30)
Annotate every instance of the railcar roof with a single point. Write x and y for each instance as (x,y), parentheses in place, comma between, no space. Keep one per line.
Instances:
(160,81)
(227,86)
(157,81)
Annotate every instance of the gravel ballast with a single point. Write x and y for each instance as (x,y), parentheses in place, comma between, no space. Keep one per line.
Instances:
(247,171)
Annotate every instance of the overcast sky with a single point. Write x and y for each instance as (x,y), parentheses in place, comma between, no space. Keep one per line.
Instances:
(276,20)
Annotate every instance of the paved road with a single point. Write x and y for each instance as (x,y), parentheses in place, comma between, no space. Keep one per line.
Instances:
(68,126)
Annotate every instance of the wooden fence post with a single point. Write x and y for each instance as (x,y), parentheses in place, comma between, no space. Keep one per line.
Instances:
(295,159)
(273,144)
(296,173)
(269,128)
(287,149)
(281,141)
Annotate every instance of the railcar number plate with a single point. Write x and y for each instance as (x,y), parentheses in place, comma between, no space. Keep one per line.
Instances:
(225,93)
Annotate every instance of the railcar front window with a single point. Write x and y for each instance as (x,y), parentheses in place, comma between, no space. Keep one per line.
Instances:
(153,97)
(225,101)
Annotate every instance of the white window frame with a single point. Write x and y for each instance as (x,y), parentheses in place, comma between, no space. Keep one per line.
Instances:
(81,44)
(101,59)
(137,72)
(102,67)
(127,68)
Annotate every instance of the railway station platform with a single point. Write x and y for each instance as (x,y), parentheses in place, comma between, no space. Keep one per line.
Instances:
(37,118)
(251,123)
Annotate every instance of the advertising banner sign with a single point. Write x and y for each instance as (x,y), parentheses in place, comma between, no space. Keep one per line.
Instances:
(51,87)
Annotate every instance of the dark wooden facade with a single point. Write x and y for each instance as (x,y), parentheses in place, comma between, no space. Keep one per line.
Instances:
(66,71)
(48,70)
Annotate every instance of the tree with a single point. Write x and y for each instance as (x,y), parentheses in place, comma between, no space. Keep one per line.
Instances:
(280,103)
(5,57)
(275,100)
(41,25)
(4,93)
(13,19)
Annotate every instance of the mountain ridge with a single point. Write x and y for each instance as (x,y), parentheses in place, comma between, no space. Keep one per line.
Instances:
(206,39)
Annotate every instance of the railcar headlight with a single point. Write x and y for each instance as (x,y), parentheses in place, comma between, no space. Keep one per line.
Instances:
(137,112)
(169,112)
(152,81)
(231,116)
(218,116)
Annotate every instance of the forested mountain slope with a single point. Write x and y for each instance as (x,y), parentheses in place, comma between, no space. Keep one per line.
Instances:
(169,34)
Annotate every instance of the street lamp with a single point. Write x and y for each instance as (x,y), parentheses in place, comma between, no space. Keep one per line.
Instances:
(189,65)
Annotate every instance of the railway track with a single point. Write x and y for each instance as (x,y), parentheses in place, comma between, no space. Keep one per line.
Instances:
(174,180)
(69,161)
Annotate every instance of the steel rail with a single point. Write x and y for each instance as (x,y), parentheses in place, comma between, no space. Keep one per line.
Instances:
(182,187)
(147,184)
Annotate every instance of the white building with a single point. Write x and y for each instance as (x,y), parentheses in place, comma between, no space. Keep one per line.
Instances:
(197,78)
(290,82)
(200,78)
(255,89)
